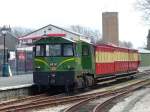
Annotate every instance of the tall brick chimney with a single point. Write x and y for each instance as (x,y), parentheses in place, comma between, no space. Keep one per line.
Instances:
(110,27)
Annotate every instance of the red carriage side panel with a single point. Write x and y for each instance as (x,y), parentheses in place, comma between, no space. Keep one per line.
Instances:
(112,60)
(104,60)
(121,60)
(130,60)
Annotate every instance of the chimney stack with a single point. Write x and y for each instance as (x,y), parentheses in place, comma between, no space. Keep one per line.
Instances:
(110,27)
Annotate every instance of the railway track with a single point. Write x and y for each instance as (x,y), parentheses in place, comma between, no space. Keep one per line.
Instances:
(49,101)
(45,102)
(90,105)
(26,100)
(104,104)
(22,99)
(108,103)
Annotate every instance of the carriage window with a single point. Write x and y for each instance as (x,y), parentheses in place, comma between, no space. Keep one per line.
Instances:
(53,50)
(40,50)
(67,50)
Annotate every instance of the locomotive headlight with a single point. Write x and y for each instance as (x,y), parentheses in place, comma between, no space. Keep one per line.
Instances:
(38,67)
(70,67)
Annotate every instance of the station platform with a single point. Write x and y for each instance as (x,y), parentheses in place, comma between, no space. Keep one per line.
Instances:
(16,81)
(144,68)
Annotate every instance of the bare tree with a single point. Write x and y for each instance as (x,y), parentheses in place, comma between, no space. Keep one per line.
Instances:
(144,7)
(20,31)
(93,34)
(125,44)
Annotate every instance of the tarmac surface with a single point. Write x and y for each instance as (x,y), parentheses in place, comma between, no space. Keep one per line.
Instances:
(144,68)
(16,80)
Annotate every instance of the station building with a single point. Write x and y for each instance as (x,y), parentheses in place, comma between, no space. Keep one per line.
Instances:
(51,29)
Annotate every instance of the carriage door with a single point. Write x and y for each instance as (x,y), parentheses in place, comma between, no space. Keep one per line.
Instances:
(86,57)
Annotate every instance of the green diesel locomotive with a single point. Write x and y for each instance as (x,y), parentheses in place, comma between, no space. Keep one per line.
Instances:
(63,62)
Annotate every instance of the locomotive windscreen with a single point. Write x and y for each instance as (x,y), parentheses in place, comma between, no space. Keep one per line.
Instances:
(54,50)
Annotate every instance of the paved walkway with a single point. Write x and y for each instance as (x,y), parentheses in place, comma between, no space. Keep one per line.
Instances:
(144,68)
(16,80)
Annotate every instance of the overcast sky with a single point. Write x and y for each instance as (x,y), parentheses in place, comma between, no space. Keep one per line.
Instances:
(88,13)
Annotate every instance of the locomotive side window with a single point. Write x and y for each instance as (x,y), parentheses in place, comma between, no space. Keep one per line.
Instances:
(85,51)
(40,50)
(67,50)
(53,50)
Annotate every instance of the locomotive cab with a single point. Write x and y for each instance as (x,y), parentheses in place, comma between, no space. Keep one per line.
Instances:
(55,62)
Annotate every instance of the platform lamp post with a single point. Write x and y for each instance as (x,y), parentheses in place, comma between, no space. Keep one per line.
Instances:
(5,67)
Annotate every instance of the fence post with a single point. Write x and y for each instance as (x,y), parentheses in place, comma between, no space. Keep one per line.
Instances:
(25,53)
(16,62)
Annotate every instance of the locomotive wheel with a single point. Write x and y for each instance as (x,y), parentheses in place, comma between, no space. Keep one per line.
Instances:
(92,82)
(85,81)
(78,84)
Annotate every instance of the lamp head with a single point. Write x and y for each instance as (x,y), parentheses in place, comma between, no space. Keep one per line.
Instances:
(5,29)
